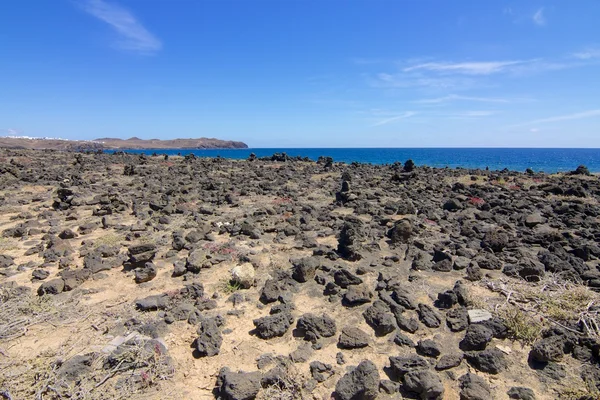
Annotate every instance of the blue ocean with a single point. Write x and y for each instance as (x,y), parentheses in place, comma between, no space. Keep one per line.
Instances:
(540,160)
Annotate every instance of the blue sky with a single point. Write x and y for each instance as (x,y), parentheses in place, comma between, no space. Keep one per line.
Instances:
(304,73)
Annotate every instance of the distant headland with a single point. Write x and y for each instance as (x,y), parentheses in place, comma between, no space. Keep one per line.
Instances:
(25,142)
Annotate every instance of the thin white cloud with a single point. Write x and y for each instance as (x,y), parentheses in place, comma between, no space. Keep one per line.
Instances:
(467,68)
(588,54)
(581,115)
(568,117)
(455,97)
(405,80)
(134,36)
(385,121)
(477,113)
(538,18)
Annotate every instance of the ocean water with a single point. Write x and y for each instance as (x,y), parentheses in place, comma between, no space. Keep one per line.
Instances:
(546,160)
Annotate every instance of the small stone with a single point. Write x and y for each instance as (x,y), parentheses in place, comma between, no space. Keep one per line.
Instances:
(428,348)
(478,315)
(353,338)
(244,275)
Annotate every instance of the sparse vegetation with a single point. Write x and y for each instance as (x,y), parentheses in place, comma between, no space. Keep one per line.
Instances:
(522,326)
(110,239)
(8,244)
(289,388)
(228,286)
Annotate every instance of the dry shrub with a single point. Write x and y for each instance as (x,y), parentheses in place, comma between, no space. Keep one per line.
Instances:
(529,306)
(288,388)
(521,325)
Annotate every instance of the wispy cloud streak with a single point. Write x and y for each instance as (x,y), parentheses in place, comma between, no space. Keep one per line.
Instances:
(467,68)
(558,118)
(386,121)
(588,54)
(538,18)
(455,97)
(134,36)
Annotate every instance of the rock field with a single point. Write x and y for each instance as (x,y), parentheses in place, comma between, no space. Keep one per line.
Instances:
(152,277)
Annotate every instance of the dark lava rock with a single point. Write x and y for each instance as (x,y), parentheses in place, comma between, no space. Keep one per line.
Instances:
(424,382)
(379,317)
(6,261)
(442,266)
(250,230)
(520,393)
(302,353)
(402,365)
(581,170)
(74,277)
(349,240)
(209,341)
(273,325)
(345,278)
(446,299)
(304,269)
(238,385)
(474,387)
(476,338)
(402,340)
(389,387)
(55,286)
(40,274)
(497,326)
(448,361)
(361,383)
(429,348)
(410,325)
(495,240)
(76,367)
(548,349)
(491,361)
(316,327)
(474,272)
(142,253)
(353,338)
(404,297)
(530,270)
(197,260)
(279,285)
(452,205)
(401,232)
(428,316)
(457,319)
(67,234)
(146,273)
(488,261)
(320,371)
(357,295)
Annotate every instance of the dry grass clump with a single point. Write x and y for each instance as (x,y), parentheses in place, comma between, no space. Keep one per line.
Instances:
(228,286)
(137,369)
(529,306)
(522,326)
(577,392)
(8,244)
(288,388)
(110,239)
(20,309)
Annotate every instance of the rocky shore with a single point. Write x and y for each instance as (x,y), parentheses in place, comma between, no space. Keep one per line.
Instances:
(157,277)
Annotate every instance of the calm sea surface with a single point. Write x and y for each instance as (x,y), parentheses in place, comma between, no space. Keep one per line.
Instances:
(547,160)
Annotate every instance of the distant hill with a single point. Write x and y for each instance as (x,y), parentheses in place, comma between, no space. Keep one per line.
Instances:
(115,143)
(201,143)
